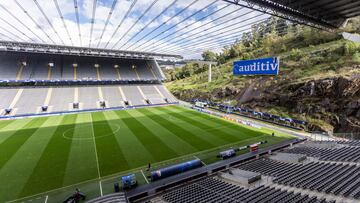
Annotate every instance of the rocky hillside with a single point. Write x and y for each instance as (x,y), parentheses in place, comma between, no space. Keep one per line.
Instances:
(319,83)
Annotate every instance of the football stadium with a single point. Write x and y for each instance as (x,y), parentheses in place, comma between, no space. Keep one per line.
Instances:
(157,101)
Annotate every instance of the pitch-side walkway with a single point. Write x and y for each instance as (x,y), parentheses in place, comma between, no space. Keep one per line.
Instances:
(296,133)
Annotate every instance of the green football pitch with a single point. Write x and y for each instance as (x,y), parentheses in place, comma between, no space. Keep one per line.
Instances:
(53,153)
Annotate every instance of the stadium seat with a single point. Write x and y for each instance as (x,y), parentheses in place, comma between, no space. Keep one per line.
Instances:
(130,82)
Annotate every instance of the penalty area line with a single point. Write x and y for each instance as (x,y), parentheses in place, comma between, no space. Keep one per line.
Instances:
(142,172)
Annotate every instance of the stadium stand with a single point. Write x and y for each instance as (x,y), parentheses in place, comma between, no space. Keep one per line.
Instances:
(327,177)
(67,70)
(152,94)
(7,96)
(112,198)
(251,113)
(164,92)
(37,68)
(73,83)
(128,72)
(349,142)
(87,97)
(86,70)
(343,154)
(31,100)
(216,190)
(305,180)
(113,96)
(108,71)
(270,167)
(61,99)
(134,95)
(9,67)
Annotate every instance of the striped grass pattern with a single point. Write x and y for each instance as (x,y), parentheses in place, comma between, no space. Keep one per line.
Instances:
(45,153)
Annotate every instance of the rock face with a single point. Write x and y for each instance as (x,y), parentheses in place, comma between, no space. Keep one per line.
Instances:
(335,100)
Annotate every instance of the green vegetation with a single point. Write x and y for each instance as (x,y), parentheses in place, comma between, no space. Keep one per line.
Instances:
(306,54)
(41,155)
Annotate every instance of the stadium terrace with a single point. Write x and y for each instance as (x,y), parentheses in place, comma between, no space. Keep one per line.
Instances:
(88,113)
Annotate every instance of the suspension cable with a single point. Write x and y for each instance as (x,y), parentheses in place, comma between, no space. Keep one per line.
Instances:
(48,20)
(3,37)
(209,47)
(164,23)
(183,20)
(192,47)
(216,44)
(77,20)
(121,22)
(92,21)
(147,25)
(142,15)
(227,35)
(181,41)
(107,22)
(200,26)
(210,41)
(224,40)
(62,19)
(18,20)
(189,25)
(200,33)
(10,33)
(15,28)
(32,19)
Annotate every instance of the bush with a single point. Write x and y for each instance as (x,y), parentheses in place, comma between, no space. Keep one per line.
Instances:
(296,54)
(351,48)
(356,57)
(317,59)
(305,60)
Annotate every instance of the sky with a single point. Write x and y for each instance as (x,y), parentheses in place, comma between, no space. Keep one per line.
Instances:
(184,27)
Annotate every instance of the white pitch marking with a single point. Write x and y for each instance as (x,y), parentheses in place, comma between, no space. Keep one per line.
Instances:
(142,172)
(200,160)
(101,192)
(46,198)
(90,138)
(96,155)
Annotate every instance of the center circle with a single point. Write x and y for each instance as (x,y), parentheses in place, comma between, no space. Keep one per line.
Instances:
(83,132)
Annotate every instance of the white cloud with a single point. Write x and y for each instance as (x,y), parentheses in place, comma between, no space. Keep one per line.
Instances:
(184,31)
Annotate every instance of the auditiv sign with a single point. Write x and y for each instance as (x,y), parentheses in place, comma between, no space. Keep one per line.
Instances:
(264,66)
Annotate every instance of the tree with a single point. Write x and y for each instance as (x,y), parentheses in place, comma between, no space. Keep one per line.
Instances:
(208,56)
